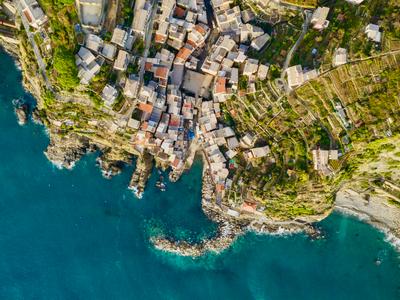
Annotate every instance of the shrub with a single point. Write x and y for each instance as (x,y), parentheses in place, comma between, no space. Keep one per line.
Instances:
(64,66)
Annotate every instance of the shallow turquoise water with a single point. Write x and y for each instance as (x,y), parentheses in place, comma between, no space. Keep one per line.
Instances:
(74,235)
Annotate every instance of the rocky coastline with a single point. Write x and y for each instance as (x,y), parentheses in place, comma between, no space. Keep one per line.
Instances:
(144,166)
(65,150)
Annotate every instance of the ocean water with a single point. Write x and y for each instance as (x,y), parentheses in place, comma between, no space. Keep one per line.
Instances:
(75,235)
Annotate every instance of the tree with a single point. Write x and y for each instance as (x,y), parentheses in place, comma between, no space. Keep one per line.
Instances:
(65,68)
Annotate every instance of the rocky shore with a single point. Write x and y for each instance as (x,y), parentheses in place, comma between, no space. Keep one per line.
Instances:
(374,210)
(65,151)
(144,166)
(22,114)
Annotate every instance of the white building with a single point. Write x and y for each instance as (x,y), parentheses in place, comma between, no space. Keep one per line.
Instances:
(373,33)
(119,37)
(340,57)
(33,13)
(296,76)
(122,61)
(109,95)
(141,14)
(91,13)
(259,42)
(318,19)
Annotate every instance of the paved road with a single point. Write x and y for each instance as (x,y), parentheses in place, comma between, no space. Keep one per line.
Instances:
(307,19)
(39,59)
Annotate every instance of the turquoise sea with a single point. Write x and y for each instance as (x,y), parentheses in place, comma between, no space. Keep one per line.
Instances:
(75,235)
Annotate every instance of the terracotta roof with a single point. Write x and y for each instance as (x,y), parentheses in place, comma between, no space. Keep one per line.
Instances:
(146,107)
(148,66)
(220,85)
(175,163)
(191,43)
(180,12)
(184,53)
(220,187)
(160,38)
(144,125)
(161,72)
(249,206)
(200,29)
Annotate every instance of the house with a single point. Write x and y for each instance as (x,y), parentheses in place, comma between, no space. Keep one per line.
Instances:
(229,20)
(161,34)
(91,13)
(339,57)
(109,51)
(321,159)
(119,37)
(183,54)
(247,15)
(198,35)
(109,95)
(248,140)
(131,87)
(250,67)
(232,143)
(84,57)
(33,13)
(142,12)
(86,73)
(296,76)
(122,61)
(93,42)
(318,19)
(259,42)
(373,33)
(220,91)
(260,152)
(210,67)
(87,65)
(262,72)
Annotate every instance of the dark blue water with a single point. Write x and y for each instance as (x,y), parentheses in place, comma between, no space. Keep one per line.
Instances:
(74,235)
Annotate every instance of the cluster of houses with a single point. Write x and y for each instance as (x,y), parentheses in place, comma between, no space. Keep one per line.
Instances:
(189,79)
(296,76)
(96,51)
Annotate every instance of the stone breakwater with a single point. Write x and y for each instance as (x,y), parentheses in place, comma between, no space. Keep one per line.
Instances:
(226,235)
(228,231)
(229,228)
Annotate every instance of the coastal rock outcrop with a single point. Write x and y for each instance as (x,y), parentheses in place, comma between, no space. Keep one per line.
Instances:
(22,113)
(144,165)
(65,151)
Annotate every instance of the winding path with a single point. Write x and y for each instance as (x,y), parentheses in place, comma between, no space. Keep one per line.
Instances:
(307,19)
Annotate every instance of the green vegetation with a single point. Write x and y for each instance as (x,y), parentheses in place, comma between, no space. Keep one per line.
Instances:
(65,69)
(394,202)
(302,3)
(127,12)
(138,46)
(48,98)
(243,82)
(346,30)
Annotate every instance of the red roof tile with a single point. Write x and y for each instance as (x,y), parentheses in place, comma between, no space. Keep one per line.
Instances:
(148,108)
(161,72)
